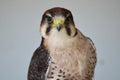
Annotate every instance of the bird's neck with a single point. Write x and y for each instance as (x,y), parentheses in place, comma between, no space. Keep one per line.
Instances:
(63,41)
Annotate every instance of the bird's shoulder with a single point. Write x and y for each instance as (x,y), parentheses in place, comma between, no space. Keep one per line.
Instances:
(91,42)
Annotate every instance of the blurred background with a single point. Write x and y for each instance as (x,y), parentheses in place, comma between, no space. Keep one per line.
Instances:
(20,36)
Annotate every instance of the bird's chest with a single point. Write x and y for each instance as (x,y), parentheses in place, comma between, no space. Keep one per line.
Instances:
(65,64)
(65,58)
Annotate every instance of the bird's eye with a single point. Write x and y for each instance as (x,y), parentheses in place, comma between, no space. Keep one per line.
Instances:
(50,20)
(67,20)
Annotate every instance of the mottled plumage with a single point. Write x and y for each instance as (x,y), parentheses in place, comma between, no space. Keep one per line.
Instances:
(65,53)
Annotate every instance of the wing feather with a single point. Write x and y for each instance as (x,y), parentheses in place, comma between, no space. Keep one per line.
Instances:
(39,64)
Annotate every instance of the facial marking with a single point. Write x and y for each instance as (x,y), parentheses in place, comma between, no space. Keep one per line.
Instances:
(68,30)
(48,14)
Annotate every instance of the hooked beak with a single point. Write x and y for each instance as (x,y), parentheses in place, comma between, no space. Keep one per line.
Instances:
(58,24)
(59,27)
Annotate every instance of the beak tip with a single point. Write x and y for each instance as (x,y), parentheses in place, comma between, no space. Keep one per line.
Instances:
(58,27)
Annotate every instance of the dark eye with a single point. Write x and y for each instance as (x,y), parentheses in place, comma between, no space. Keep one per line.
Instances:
(50,20)
(67,21)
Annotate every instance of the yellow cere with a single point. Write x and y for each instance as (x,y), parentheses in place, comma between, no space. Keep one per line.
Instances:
(56,22)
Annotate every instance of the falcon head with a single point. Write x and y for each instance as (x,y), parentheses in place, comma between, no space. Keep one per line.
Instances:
(57,22)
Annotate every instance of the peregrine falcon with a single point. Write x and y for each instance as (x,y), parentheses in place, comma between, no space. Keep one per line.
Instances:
(64,53)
